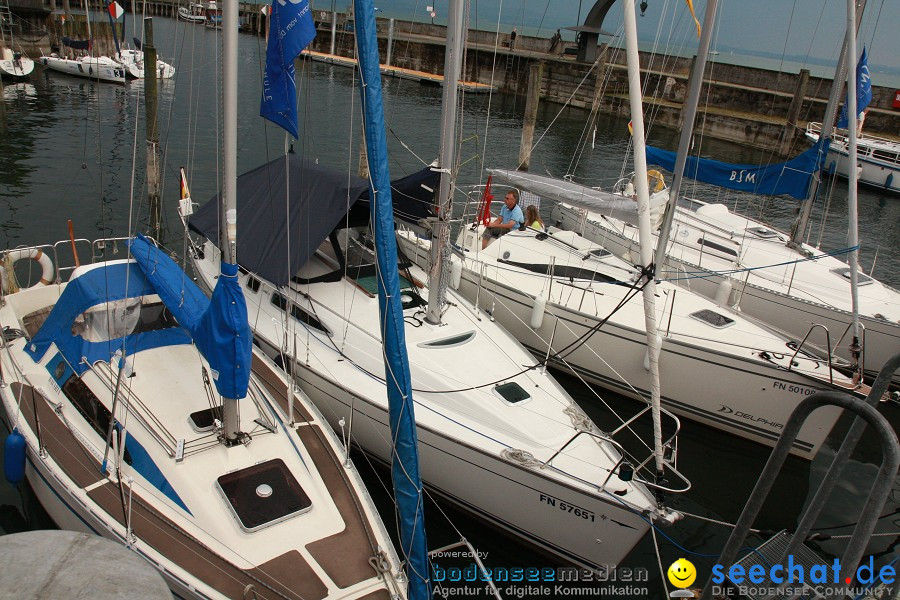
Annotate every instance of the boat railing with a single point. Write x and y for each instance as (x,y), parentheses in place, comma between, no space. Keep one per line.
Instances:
(627,465)
(66,254)
(829,349)
(135,406)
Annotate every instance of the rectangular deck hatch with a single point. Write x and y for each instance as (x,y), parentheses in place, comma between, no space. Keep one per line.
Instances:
(204,420)
(512,392)
(264,494)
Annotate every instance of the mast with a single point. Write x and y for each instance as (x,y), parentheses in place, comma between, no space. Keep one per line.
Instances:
(853,234)
(404,457)
(440,246)
(687,129)
(798,227)
(87,19)
(228,226)
(643,197)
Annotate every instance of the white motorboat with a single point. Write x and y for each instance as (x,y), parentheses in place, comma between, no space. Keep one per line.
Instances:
(15,65)
(118,411)
(97,68)
(877,158)
(719,367)
(192,15)
(491,428)
(748,266)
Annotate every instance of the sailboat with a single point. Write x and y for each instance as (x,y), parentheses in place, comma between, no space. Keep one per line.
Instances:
(763,272)
(112,386)
(133,61)
(141,411)
(490,427)
(98,68)
(575,304)
(13,63)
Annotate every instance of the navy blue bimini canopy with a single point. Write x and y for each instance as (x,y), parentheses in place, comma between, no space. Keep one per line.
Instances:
(319,201)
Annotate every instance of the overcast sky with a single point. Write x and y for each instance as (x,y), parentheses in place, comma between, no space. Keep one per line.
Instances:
(794,28)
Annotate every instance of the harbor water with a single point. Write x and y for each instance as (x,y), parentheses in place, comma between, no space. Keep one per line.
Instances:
(73,149)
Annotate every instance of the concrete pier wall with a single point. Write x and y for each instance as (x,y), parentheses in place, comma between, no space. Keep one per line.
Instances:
(741,104)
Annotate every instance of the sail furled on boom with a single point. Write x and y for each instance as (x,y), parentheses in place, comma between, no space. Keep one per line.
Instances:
(791,178)
(292,29)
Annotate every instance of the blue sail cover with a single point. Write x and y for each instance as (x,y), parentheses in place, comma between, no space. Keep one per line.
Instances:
(218,325)
(114,281)
(790,178)
(405,456)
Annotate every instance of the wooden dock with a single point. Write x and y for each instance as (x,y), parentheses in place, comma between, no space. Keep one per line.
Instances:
(401,73)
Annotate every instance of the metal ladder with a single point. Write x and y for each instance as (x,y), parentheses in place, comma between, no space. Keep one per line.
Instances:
(6,24)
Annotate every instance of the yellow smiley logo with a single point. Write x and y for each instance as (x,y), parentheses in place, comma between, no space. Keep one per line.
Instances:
(682,573)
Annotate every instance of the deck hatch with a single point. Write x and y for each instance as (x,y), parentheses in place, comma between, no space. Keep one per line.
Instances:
(448,342)
(763,232)
(512,393)
(263,494)
(861,278)
(711,317)
(204,420)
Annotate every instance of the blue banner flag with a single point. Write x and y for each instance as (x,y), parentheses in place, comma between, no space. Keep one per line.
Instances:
(291,29)
(863,90)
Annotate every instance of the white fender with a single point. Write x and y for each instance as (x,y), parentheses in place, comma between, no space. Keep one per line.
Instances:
(42,259)
(455,272)
(3,284)
(537,311)
(723,292)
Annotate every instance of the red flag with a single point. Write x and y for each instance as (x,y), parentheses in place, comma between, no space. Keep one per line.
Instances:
(484,214)
(115,9)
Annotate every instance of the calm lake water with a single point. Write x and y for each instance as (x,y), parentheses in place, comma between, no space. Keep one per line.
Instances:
(68,152)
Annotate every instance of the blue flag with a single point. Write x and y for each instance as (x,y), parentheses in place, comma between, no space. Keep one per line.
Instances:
(863,90)
(291,28)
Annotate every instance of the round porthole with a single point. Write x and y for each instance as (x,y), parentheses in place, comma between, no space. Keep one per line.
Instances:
(506,255)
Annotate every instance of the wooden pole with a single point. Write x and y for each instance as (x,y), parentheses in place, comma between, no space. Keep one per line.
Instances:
(535,74)
(150,98)
(794,111)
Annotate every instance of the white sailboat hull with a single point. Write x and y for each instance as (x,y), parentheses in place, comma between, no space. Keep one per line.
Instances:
(722,384)
(133,62)
(463,435)
(791,296)
(485,485)
(97,69)
(16,68)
